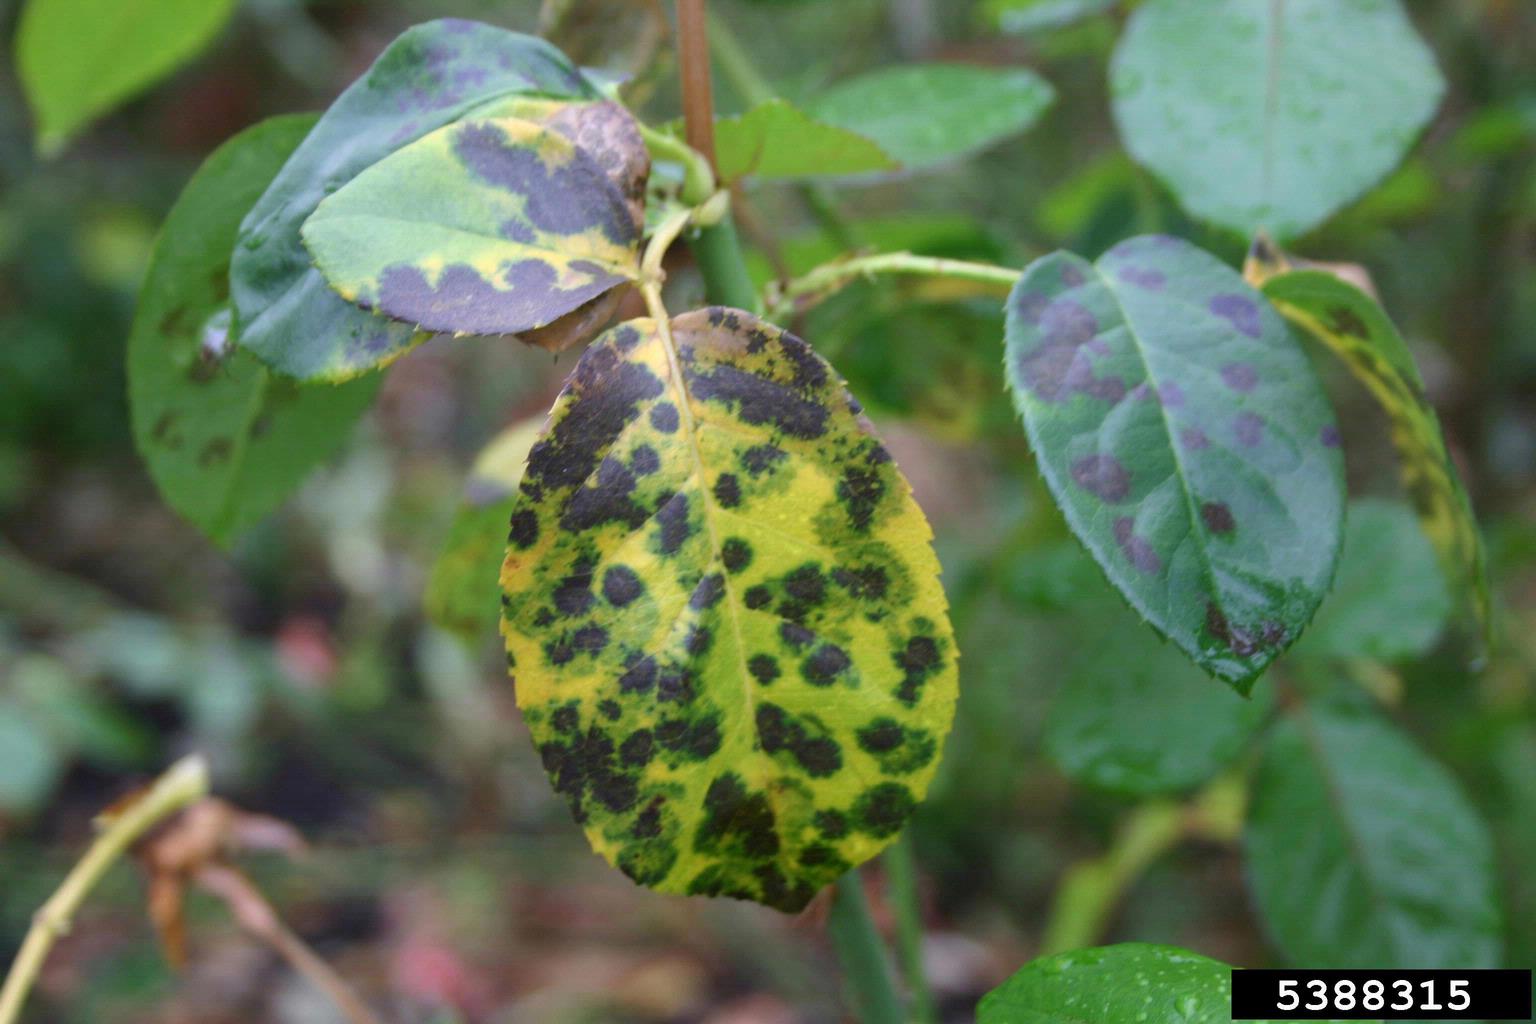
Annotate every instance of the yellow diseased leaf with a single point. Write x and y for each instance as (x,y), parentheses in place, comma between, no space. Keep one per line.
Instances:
(1325,305)
(723,613)
(482,227)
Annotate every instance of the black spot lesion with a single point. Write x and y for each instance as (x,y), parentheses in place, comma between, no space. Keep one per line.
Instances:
(882,810)
(573,594)
(804,737)
(735,554)
(690,738)
(898,749)
(918,660)
(761,458)
(215,452)
(863,582)
(737,822)
(604,396)
(622,585)
(585,768)
(708,593)
(728,490)
(825,665)
(764,668)
(672,525)
(860,492)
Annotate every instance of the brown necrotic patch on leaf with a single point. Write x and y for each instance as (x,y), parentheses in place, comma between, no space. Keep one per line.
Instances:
(721,601)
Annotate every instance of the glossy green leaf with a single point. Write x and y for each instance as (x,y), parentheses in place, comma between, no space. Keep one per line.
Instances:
(432,75)
(224,439)
(1188,441)
(1389,600)
(1293,108)
(775,140)
(723,613)
(1023,17)
(1132,983)
(461,594)
(482,227)
(1396,868)
(1136,717)
(1358,331)
(78,59)
(928,114)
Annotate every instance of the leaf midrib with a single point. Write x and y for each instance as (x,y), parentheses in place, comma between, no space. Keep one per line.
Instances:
(1206,568)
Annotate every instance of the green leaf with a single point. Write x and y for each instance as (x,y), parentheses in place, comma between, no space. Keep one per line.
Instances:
(1132,983)
(1351,325)
(461,594)
(80,58)
(77,715)
(1188,441)
(1292,110)
(432,75)
(723,613)
(1389,600)
(1023,17)
(927,114)
(1396,868)
(30,760)
(1135,717)
(774,140)
(224,439)
(482,227)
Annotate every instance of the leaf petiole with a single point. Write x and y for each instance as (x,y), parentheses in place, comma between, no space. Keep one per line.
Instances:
(832,277)
(698,176)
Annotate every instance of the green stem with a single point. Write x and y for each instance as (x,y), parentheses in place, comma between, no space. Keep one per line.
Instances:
(901,880)
(183,783)
(717,248)
(832,276)
(862,955)
(1092,889)
(698,176)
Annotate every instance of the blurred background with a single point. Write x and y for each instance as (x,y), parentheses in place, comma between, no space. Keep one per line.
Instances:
(445,878)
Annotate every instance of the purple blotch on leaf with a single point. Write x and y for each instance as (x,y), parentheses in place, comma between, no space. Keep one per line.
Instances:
(1243,641)
(1102,475)
(1060,366)
(565,200)
(465,302)
(1194,439)
(1329,435)
(1217,516)
(1136,549)
(1249,429)
(1240,376)
(1240,311)
(1141,277)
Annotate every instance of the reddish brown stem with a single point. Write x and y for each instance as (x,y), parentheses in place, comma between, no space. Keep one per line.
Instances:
(698,94)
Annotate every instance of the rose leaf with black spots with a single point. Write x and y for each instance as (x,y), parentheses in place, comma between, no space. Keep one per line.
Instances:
(723,613)
(1186,438)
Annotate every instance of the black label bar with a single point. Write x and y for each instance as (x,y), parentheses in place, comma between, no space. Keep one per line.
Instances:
(1381,995)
